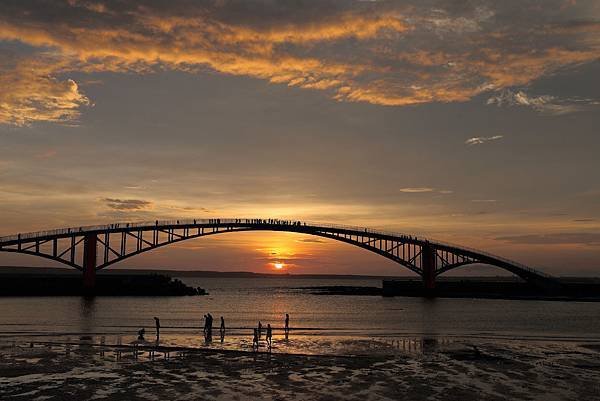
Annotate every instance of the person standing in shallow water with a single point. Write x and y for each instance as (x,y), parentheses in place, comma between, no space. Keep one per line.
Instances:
(157,323)
(222,329)
(286,327)
(255,340)
(209,322)
(269,335)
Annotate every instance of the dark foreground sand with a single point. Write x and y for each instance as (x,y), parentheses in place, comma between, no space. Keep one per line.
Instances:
(462,371)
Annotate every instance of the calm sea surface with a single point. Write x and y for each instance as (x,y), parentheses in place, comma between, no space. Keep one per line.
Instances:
(243,302)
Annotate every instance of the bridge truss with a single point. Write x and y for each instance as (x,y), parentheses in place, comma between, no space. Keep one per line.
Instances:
(92,248)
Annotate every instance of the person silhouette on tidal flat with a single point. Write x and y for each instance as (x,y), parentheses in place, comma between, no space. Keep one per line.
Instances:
(255,340)
(287,325)
(208,328)
(269,335)
(157,323)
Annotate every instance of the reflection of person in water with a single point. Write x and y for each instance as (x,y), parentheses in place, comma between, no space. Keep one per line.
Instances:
(141,333)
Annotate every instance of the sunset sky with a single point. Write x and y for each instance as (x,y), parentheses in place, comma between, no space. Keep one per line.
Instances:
(475,122)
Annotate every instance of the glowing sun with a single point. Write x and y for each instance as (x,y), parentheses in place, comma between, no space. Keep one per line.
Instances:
(278,265)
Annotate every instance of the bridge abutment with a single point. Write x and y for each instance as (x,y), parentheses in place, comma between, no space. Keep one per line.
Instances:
(428,266)
(90,246)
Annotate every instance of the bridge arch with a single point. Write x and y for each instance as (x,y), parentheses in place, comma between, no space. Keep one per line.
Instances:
(93,248)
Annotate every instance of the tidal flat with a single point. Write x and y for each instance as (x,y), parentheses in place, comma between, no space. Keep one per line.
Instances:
(372,369)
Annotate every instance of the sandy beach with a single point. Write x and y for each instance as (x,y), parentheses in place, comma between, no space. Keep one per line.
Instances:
(457,370)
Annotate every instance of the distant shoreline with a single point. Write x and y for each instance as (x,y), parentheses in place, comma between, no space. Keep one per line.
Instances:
(243,274)
(32,281)
(188,273)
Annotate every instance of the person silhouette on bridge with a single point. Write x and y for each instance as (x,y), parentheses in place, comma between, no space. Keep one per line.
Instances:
(259,329)
(157,323)
(222,329)
(141,333)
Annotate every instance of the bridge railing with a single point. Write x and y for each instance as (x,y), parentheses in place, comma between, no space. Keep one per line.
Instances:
(254,221)
(182,222)
(119,225)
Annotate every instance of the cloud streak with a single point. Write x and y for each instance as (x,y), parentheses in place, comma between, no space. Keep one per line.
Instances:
(420,190)
(545,104)
(416,190)
(127,204)
(480,140)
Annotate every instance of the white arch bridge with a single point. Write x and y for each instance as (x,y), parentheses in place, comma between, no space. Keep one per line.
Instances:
(92,248)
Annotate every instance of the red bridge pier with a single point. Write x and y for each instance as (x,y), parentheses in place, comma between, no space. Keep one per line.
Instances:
(90,243)
(428,266)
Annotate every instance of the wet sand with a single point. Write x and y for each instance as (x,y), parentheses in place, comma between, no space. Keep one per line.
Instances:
(378,369)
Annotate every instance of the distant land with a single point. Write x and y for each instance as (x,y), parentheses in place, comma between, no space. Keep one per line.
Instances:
(232,274)
(186,273)
(19,280)
(246,274)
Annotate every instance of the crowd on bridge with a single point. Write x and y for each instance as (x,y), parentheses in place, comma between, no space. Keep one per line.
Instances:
(270,221)
(255,221)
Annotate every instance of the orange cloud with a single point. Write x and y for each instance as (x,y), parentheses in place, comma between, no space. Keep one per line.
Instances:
(374,53)
(30,93)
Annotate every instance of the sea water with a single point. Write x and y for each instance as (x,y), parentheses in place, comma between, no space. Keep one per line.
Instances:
(314,319)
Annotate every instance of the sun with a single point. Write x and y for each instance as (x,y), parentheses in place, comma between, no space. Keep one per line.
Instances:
(278,265)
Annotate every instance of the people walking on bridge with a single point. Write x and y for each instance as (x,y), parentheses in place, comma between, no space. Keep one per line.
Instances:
(222,329)
(269,335)
(141,333)
(157,324)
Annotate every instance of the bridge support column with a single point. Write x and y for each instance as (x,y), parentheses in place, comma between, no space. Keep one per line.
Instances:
(428,266)
(90,243)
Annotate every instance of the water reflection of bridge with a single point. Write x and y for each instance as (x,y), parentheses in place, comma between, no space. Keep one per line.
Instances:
(92,248)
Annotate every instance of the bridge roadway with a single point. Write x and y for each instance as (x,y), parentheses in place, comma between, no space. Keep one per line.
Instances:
(91,248)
